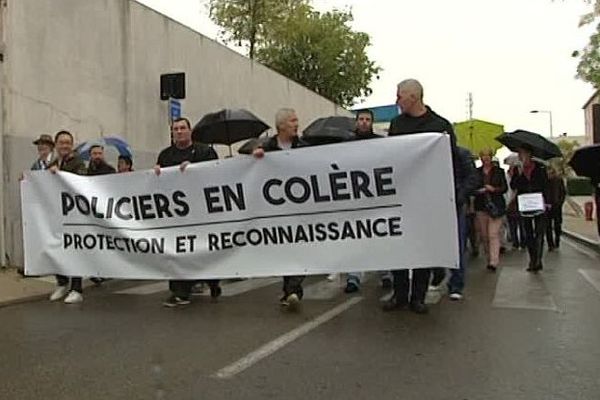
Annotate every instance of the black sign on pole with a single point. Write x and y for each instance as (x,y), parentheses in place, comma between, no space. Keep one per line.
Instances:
(172,86)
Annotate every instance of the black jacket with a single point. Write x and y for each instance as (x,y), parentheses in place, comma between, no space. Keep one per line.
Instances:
(466,179)
(72,163)
(497,180)
(101,169)
(538,182)
(272,145)
(197,152)
(429,122)
(366,136)
(556,191)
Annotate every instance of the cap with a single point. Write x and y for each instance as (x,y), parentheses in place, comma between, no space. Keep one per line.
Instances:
(44,139)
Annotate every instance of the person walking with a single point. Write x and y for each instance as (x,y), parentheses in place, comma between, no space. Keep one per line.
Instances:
(182,152)
(556,198)
(416,117)
(532,178)
(67,160)
(490,207)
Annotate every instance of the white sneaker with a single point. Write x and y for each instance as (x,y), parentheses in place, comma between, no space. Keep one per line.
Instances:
(59,293)
(433,288)
(456,296)
(293,301)
(74,297)
(333,277)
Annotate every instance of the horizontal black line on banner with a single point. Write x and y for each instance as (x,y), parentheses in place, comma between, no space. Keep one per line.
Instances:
(233,221)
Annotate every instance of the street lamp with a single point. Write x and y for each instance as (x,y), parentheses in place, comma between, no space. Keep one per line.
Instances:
(549,116)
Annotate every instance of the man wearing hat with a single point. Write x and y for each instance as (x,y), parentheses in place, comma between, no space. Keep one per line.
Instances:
(45,149)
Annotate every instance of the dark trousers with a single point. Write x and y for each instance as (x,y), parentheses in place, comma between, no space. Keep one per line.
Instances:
(62,280)
(293,284)
(535,228)
(517,230)
(183,288)
(472,233)
(554,226)
(418,289)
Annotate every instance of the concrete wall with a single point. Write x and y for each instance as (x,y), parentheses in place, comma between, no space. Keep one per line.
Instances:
(93,67)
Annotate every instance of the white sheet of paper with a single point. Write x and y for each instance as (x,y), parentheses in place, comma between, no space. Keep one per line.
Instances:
(530,202)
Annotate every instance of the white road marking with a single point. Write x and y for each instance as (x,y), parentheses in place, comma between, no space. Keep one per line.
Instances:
(517,288)
(268,349)
(592,276)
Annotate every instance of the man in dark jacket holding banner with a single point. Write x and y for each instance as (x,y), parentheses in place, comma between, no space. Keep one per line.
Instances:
(184,152)
(416,117)
(286,123)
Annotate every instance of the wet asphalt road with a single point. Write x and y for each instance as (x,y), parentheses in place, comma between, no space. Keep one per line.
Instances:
(515,336)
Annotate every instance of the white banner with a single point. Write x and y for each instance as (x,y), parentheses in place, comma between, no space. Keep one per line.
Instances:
(359,206)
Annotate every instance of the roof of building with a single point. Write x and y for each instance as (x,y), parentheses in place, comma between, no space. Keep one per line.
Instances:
(591,99)
(381,113)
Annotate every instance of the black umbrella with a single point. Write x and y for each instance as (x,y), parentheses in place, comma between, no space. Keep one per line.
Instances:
(329,130)
(586,161)
(327,136)
(228,126)
(334,124)
(252,144)
(540,146)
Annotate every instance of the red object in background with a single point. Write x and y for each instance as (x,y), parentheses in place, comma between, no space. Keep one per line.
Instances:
(589,210)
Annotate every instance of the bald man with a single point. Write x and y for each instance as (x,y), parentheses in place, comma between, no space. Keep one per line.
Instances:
(416,117)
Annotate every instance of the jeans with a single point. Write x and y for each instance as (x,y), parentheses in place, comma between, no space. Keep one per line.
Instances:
(457,276)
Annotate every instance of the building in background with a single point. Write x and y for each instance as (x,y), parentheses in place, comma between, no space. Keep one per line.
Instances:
(93,67)
(592,119)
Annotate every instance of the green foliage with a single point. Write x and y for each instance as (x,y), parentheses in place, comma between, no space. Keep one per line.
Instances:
(561,165)
(579,186)
(317,50)
(588,68)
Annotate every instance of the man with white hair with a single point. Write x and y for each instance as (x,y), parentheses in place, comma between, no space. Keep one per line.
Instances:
(286,123)
(415,117)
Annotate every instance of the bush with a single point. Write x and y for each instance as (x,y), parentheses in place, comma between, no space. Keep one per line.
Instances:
(579,186)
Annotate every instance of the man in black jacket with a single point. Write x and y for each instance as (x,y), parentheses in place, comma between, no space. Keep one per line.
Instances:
(416,117)
(286,123)
(364,131)
(98,165)
(184,152)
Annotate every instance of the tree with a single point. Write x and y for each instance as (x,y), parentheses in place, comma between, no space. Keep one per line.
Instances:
(248,22)
(589,58)
(317,50)
(322,52)
(561,165)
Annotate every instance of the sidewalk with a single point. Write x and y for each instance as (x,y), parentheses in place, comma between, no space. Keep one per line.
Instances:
(16,289)
(576,227)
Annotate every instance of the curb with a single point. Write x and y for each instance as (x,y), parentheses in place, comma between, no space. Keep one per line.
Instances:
(592,244)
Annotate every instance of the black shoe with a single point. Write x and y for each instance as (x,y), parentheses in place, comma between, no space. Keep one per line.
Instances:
(215,291)
(174,301)
(491,268)
(551,248)
(394,305)
(351,287)
(502,250)
(419,308)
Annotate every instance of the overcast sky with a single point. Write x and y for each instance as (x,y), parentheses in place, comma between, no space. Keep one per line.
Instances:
(513,55)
